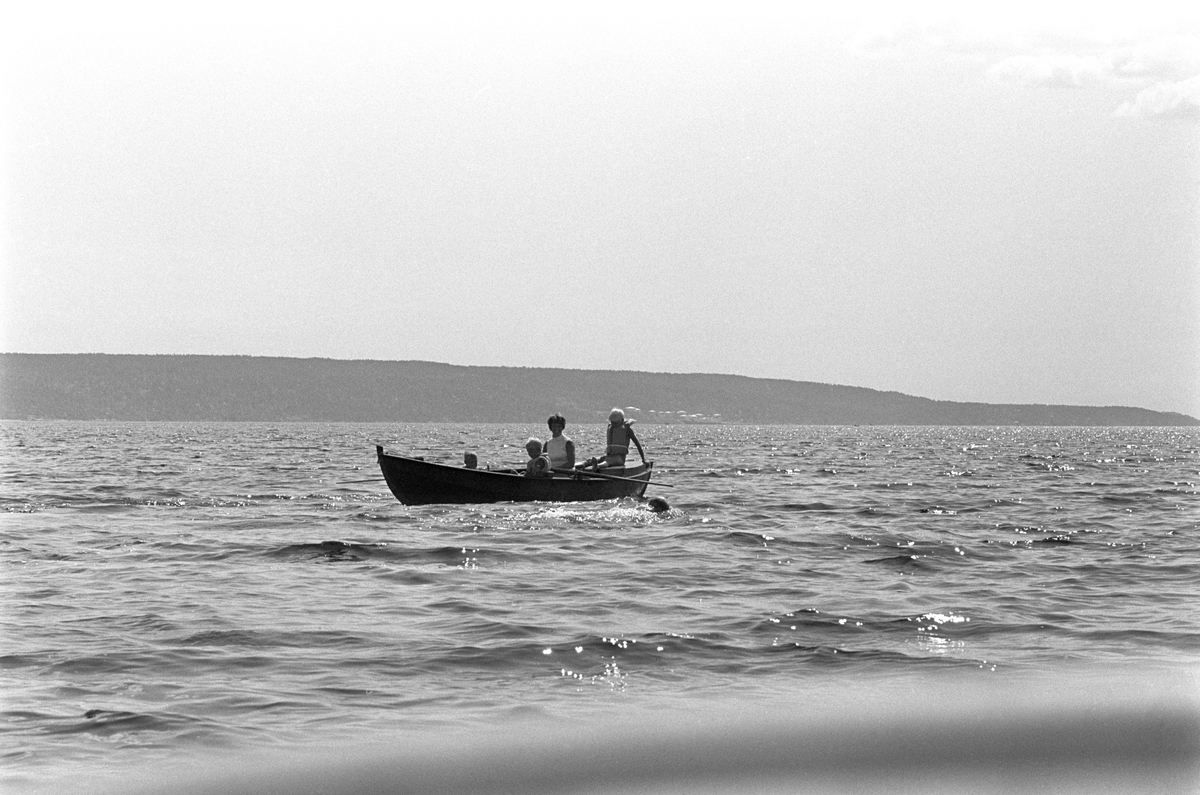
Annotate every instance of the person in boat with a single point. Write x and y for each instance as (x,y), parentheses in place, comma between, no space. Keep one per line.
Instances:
(559,447)
(618,436)
(539,462)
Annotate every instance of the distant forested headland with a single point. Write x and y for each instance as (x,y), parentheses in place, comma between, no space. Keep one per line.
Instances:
(274,389)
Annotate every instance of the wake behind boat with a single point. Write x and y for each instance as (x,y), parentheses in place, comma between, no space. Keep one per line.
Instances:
(415,481)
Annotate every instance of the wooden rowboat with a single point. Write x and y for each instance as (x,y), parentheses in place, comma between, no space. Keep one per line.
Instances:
(418,482)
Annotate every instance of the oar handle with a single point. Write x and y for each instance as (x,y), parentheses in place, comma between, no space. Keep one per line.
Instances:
(594,474)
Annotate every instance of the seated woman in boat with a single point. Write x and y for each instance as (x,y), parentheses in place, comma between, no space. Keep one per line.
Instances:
(559,447)
(618,436)
(539,462)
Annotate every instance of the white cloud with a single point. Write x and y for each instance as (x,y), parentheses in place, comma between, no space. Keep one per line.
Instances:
(1166,57)
(1054,69)
(1165,100)
(1049,43)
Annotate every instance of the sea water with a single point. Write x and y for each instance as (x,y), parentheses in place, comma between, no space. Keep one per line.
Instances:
(188,591)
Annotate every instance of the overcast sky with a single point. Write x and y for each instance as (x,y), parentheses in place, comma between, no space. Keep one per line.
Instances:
(1002,206)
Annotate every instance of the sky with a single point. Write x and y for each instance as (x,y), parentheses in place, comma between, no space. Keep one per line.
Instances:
(999,204)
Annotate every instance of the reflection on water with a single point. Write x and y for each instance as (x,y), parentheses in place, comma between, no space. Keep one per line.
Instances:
(171,589)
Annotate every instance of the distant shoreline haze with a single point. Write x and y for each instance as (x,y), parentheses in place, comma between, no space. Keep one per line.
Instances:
(192,388)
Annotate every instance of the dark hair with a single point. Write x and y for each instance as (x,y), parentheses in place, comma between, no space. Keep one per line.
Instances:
(556,418)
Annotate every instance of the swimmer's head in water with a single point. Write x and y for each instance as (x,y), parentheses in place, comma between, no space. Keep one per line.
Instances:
(658,505)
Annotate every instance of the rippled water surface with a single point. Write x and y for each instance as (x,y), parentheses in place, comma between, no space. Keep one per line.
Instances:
(169,588)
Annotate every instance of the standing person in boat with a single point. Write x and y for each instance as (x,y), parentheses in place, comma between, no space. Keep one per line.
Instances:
(539,462)
(618,436)
(559,447)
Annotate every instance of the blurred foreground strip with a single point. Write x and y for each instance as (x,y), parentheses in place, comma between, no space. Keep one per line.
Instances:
(995,741)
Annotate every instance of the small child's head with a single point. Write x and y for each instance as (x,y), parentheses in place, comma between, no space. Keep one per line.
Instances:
(658,505)
(616,416)
(533,447)
(470,460)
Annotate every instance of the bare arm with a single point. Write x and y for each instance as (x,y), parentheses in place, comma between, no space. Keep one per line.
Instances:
(633,438)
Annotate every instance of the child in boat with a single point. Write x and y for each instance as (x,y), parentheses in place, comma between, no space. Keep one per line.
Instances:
(539,463)
(559,447)
(618,435)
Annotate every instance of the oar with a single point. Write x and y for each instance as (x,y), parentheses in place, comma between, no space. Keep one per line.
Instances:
(593,474)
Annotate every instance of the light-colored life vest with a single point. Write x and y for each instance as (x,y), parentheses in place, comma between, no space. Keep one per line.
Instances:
(538,467)
(618,441)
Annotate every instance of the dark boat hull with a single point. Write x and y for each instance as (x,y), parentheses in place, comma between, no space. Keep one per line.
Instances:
(417,482)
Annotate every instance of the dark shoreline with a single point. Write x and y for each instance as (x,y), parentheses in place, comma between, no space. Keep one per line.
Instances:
(278,389)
